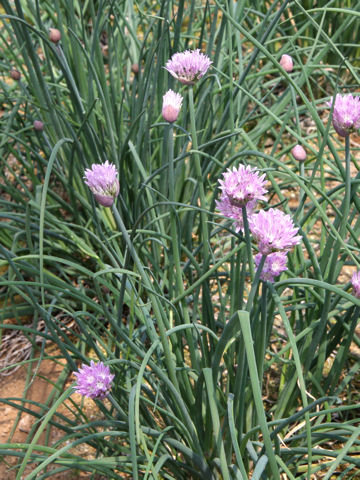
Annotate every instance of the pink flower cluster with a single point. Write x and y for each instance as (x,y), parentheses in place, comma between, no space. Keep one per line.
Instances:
(233,212)
(355,281)
(275,263)
(188,66)
(346,114)
(103,182)
(94,381)
(273,230)
(241,187)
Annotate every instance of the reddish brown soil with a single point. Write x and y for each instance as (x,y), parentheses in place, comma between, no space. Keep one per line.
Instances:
(12,386)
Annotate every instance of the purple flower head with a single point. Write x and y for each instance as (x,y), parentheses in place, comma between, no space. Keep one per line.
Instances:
(103,182)
(243,185)
(299,153)
(275,263)
(94,381)
(346,114)
(188,66)
(287,63)
(274,231)
(355,281)
(233,212)
(171,106)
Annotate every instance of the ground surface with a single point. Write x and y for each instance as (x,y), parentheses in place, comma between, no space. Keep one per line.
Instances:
(11,387)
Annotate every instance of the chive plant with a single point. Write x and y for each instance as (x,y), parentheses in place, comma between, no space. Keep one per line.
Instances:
(199,279)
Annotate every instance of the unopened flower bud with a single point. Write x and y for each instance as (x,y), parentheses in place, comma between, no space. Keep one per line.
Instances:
(105,290)
(38,125)
(135,68)
(299,153)
(54,35)
(287,63)
(171,106)
(15,74)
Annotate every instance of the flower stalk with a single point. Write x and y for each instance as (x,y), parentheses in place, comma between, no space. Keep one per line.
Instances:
(175,245)
(196,157)
(248,243)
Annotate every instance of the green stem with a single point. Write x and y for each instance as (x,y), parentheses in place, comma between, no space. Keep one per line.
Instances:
(170,155)
(219,443)
(117,407)
(342,353)
(298,367)
(345,208)
(332,269)
(255,284)
(241,371)
(230,33)
(199,178)
(248,242)
(347,186)
(233,435)
(302,193)
(154,301)
(296,111)
(255,384)
(175,250)
(264,331)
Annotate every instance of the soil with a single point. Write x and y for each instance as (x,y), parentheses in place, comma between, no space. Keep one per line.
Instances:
(12,387)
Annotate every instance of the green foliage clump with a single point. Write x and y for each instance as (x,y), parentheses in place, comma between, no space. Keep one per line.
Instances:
(218,375)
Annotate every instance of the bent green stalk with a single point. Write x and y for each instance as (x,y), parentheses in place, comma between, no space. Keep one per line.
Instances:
(175,247)
(248,242)
(204,226)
